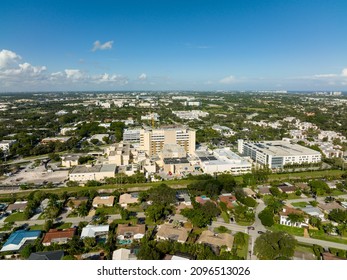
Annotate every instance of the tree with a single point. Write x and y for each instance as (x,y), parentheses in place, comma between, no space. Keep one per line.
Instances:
(295,218)
(266,217)
(338,215)
(228,182)
(83,209)
(27,250)
(275,246)
(162,195)
(125,214)
(48,225)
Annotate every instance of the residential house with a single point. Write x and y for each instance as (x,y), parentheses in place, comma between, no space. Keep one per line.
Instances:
(249,192)
(216,241)
(130,232)
(95,231)
(284,219)
(128,198)
(287,188)
(58,236)
(264,190)
(18,206)
(100,201)
(228,199)
(313,211)
(19,239)
(202,199)
(73,202)
(47,256)
(171,232)
(327,207)
(302,186)
(123,254)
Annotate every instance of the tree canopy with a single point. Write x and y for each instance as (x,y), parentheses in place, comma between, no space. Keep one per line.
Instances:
(275,246)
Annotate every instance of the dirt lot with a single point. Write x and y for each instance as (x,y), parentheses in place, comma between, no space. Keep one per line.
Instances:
(38,175)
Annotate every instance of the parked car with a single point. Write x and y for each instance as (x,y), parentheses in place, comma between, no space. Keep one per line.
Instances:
(250,228)
(260,232)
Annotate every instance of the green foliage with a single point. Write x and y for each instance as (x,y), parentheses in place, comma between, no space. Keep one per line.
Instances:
(210,188)
(227,181)
(162,195)
(93,183)
(201,215)
(319,187)
(266,217)
(243,215)
(317,250)
(338,215)
(275,246)
(85,159)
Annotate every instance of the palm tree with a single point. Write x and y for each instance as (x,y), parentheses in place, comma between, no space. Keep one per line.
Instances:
(294,218)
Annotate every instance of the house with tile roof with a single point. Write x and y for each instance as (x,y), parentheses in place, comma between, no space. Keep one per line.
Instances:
(58,236)
(95,231)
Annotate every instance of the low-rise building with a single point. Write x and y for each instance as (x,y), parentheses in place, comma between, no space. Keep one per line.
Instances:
(123,254)
(18,206)
(228,199)
(173,233)
(130,232)
(128,198)
(84,173)
(223,160)
(69,160)
(100,201)
(19,239)
(73,202)
(58,236)
(99,231)
(328,207)
(216,241)
(285,219)
(55,139)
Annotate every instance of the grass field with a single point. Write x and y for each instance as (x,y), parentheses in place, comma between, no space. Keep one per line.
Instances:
(292,230)
(323,236)
(18,216)
(299,204)
(37,227)
(107,211)
(225,217)
(64,226)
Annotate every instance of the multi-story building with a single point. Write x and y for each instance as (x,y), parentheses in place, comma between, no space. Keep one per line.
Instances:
(152,141)
(277,154)
(131,135)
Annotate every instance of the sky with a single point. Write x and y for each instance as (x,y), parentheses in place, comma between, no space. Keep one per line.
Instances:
(207,45)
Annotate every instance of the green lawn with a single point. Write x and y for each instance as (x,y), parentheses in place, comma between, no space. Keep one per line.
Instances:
(299,204)
(131,221)
(323,236)
(307,175)
(292,230)
(64,226)
(242,251)
(225,217)
(6,227)
(107,211)
(37,227)
(18,216)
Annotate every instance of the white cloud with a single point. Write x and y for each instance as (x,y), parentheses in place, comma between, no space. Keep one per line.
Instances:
(105,46)
(8,58)
(142,77)
(228,80)
(73,74)
(112,79)
(325,76)
(344,72)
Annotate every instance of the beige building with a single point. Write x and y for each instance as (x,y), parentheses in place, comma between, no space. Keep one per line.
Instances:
(152,141)
(69,160)
(173,151)
(100,201)
(216,240)
(119,154)
(170,232)
(84,173)
(128,198)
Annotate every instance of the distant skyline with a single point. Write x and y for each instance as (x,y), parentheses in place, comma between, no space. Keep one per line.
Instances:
(173,45)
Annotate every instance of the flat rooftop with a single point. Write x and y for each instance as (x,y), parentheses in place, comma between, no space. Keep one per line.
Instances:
(281,148)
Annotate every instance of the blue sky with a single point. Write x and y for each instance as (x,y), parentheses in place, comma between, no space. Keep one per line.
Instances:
(173,45)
